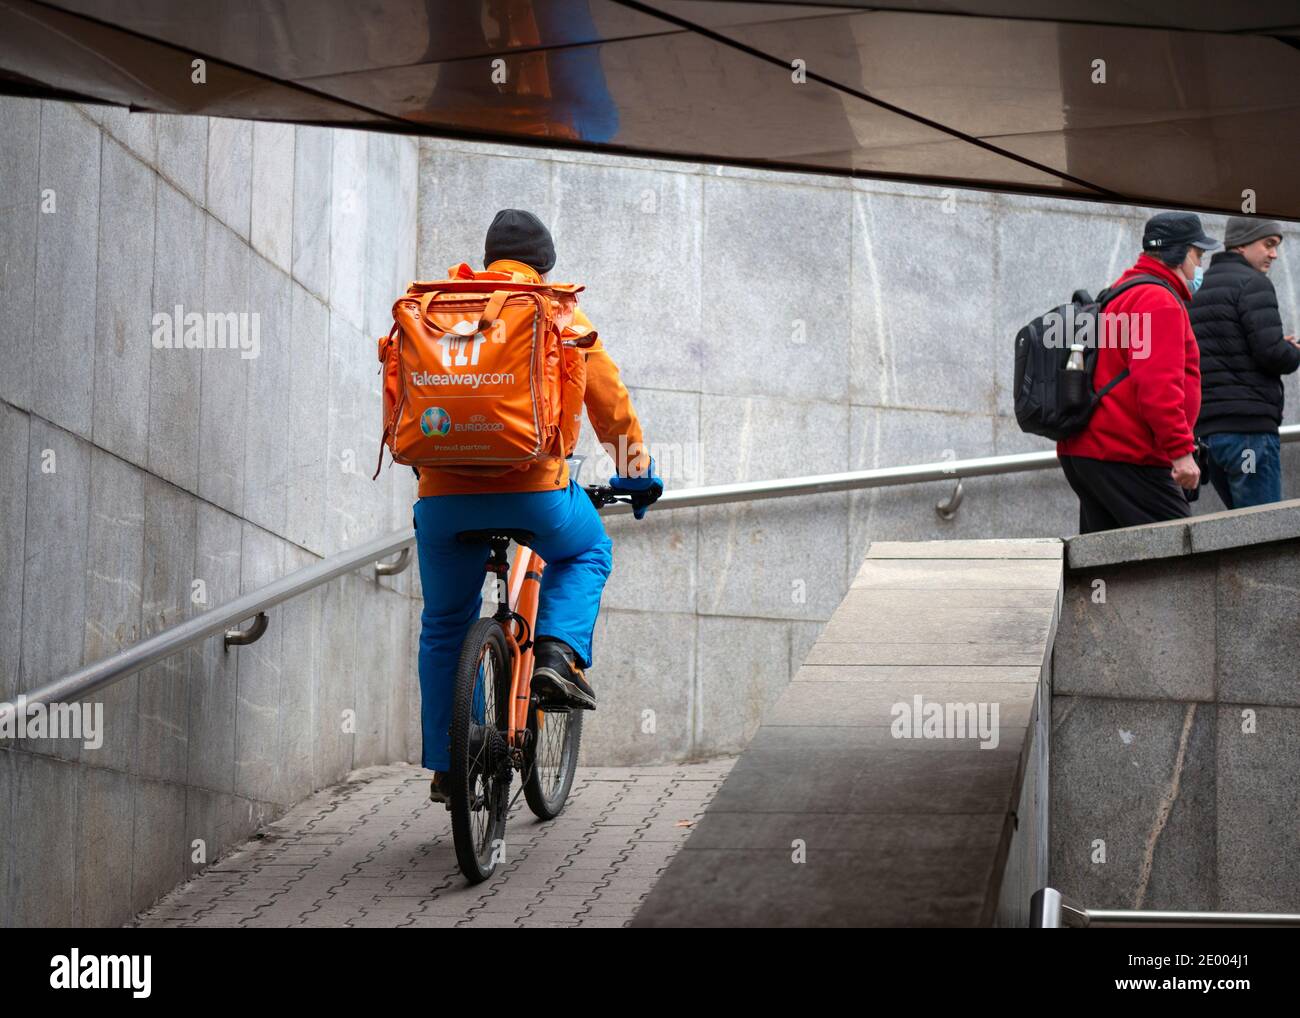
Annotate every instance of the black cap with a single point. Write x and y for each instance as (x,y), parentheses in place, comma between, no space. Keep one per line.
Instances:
(520,236)
(1167,230)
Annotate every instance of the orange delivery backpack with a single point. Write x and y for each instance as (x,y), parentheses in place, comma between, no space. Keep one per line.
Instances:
(480,372)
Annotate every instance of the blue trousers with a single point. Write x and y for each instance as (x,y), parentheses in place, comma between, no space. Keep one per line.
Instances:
(570,538)
(1228,461)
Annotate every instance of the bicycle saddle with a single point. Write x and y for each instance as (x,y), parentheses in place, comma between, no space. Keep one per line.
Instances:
(495,533)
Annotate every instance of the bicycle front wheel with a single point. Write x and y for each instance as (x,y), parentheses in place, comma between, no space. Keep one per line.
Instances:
(479,780)
(556,738)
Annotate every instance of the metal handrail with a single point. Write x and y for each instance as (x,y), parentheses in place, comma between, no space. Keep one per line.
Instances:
(1049,909)
(853,480)
(124,663)
(881,477)
(224,618)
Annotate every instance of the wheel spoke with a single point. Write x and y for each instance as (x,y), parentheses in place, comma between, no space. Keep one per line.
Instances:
(552,738)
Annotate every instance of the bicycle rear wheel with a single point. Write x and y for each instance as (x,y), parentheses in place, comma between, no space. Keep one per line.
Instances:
(479,780)
(556,738)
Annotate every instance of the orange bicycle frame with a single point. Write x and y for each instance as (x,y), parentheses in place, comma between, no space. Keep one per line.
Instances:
(525,590)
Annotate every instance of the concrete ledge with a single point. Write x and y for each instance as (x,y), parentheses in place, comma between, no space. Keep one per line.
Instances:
(1195,535)
(959,573)
(834,816)
(1049,548)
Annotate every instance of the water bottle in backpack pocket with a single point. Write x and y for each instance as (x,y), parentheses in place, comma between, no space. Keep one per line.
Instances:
(1075,381)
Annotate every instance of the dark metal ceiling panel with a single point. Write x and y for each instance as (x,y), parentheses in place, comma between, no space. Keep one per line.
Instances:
(1262,17)
(303,39)
(686,96)
(44,49)
(1182,118)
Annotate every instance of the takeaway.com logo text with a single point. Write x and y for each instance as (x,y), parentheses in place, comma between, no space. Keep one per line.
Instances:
(471,378)
(74,971)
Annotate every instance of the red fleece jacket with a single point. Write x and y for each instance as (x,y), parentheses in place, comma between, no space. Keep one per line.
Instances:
(1148,417)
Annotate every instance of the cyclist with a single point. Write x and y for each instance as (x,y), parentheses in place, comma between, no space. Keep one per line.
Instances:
(543,499)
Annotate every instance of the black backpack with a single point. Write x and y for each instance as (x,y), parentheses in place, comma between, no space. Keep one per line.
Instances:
(1042,352)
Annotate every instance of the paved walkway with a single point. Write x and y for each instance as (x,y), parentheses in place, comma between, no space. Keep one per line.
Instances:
(375,852)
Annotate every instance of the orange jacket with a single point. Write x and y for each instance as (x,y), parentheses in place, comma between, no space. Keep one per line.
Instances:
(609,408)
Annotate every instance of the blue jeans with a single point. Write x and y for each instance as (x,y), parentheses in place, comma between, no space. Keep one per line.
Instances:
(570,538)
(1228,468)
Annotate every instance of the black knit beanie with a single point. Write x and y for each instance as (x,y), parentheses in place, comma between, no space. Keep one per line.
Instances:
(520,236)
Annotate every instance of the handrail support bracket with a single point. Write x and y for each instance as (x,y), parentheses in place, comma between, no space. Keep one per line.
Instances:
(236,637)
(947,509)
(396,566)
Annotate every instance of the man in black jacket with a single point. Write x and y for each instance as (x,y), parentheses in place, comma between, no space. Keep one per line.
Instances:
(1243,358)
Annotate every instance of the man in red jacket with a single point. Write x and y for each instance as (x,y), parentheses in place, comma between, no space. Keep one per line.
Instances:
(1133,461)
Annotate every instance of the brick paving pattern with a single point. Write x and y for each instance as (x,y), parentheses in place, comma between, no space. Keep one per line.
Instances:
(375,852)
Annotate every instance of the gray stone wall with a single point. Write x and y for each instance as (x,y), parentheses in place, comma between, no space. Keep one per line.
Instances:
(1175,730)
(129,472)
(771,325)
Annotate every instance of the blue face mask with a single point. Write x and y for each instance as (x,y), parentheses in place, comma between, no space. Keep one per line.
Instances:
(1197,279)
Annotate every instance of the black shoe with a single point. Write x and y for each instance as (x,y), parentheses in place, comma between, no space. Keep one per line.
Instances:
(438,789)
(557,679)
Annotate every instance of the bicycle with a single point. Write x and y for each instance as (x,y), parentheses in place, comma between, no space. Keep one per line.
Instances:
(498,725)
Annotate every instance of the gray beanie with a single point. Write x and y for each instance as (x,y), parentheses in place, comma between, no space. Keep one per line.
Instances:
(1243,230)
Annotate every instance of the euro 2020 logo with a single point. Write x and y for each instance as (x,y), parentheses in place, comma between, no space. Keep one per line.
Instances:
(435,421)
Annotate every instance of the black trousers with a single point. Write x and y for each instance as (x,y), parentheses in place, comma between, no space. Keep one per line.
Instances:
(1115,494)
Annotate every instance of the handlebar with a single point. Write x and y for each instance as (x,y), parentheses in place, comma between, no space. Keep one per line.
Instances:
(604,494)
